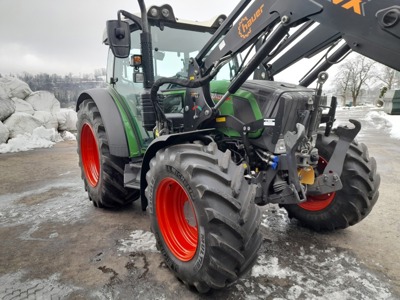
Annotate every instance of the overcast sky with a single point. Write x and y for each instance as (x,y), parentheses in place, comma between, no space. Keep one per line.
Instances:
(62,36)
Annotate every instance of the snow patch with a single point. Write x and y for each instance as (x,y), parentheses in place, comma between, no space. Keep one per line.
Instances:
(40,138)
(49,134)
(382,120)
(66,206)
(315,274)
(295,292)
(275,218)
(68,136)
(139,241)
(53,235)
(270,267)
(24,143)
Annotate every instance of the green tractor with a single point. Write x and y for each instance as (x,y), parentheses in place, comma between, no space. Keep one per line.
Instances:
(182,127)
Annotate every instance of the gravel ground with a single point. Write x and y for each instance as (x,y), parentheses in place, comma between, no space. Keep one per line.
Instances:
(56,245)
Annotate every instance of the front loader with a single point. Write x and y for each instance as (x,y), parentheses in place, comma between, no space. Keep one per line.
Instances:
(183,127)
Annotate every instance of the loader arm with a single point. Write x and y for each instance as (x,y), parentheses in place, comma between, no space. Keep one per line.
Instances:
(371,28)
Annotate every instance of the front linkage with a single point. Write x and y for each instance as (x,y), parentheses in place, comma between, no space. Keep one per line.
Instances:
(290,177)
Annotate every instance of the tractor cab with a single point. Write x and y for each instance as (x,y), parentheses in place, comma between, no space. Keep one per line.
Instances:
(174,43)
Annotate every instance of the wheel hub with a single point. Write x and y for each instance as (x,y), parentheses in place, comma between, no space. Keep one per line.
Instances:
(90,155)
(318,202)
(176,219)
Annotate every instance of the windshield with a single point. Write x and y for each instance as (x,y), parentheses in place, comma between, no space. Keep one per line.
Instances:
(172,49)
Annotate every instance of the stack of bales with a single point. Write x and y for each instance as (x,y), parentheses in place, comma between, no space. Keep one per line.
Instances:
(21,110)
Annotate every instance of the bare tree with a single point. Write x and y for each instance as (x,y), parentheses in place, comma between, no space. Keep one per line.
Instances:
(342,84)
(65,88)
(388,76)
(353,75)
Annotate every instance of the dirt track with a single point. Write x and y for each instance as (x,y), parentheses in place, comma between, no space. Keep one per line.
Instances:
(55,244)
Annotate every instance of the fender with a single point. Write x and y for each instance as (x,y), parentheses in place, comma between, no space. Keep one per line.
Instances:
(163,142)
(109,111)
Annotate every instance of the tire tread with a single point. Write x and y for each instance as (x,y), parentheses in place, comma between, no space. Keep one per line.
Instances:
(232,218)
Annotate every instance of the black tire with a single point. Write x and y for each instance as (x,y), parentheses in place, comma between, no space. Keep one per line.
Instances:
(222,203)
(102,173)
(354,201)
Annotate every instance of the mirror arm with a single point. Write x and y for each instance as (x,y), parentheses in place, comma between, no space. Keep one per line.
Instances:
(132,17)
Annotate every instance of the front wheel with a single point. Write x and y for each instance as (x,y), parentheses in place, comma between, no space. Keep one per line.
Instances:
(203,215)
(353,202)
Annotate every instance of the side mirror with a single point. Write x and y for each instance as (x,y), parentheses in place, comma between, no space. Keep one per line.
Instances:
(119,38)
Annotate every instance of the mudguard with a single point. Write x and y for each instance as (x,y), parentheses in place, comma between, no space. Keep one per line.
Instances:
(111,117)
(163,142)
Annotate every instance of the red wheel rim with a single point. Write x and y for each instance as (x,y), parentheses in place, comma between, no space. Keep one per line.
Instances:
(176,219)
(318,202)
(90,155)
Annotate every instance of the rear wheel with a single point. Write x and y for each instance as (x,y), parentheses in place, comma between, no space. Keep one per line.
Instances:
(203,215)
(353,202)
(102,172)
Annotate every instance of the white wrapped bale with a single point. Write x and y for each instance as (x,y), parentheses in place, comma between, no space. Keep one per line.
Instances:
(3,93)
(4,133)
(13,87)
(48,120)
(44,101)
(7,108)
(21,123)
(67,119)
(23,106)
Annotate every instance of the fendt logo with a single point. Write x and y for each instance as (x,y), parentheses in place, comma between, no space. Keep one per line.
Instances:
(356,5)
(245,23)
